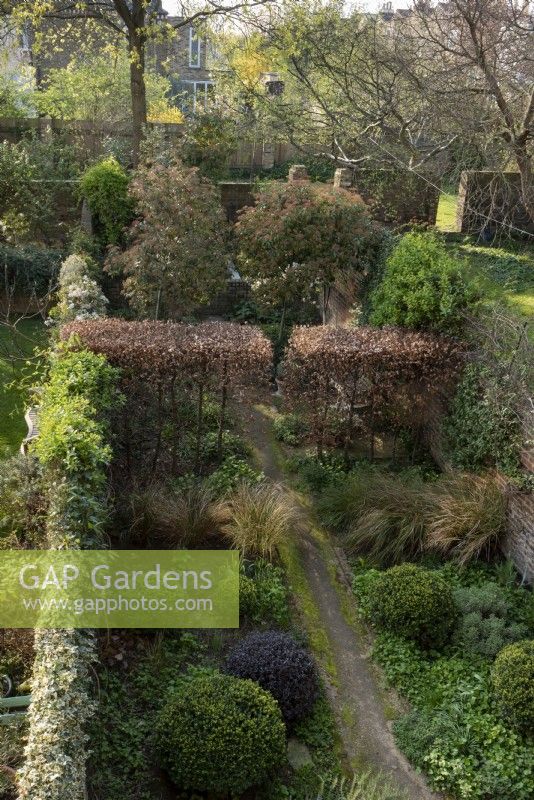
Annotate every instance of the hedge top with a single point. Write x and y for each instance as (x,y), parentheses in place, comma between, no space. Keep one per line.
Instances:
(235,352)
(402,353)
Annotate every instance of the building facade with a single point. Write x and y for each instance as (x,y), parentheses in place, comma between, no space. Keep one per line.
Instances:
(179,53)
(186,59)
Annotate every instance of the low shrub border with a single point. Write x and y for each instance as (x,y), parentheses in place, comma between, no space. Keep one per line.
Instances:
(460,731)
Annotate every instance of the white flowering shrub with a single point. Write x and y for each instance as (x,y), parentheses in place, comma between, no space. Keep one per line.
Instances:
(72,270)
(83,300)
(80,296)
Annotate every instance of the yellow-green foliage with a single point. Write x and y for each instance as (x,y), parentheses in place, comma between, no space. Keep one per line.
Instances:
(81,386)
(72,446)
(423,286)
(105,186)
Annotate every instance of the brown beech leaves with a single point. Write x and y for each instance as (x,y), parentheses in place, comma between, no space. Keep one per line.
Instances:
(367,378)
(172,374)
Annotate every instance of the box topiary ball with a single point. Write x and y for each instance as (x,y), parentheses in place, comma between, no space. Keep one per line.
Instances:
(513,683)
(217,733)
(414,602)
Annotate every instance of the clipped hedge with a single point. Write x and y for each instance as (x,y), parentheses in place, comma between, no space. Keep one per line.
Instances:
(280,665)
(73,451)
(413,602)
(29,270)
(513,683)
(221,734)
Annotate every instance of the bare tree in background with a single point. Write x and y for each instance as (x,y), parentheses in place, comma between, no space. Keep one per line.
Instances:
(475,68)
(347,87)
(441,86)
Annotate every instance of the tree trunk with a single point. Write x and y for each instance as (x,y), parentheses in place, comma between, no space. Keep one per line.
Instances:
(524,165)
(222,417)
(325,301)
(136,51)
(200,419)
(160,423)
(348,432)
(282,324)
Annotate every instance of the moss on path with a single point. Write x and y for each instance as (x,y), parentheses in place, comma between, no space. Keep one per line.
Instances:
(339,643)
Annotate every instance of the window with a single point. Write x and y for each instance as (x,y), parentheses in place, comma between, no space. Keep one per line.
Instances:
(197,95)
(194,49)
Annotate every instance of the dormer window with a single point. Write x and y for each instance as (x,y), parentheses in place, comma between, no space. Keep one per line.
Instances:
(194,49)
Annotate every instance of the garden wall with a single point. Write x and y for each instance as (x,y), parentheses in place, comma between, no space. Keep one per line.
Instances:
(235,195)
(394,197)
(87,136)
(494,195)
(519,541)
(90,138)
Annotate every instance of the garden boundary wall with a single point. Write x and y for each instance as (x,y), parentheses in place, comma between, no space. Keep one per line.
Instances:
(91,139)
(394,197)
(519,539)
(235,195)
(490,203)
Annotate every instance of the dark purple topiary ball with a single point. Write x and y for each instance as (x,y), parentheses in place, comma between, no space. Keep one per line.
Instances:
(281,666)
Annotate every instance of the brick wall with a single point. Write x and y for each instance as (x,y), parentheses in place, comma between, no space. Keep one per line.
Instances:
(225,302)
(398,198)
(235,196)
(488,199)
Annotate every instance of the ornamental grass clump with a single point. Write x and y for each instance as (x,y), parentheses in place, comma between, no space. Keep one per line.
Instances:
(468,516)
(341,502)
(513,683)
(390,525)
(365,785)
(414,602)
(217,733)
(176,518)
(282,667)
(390,518)
(261,518)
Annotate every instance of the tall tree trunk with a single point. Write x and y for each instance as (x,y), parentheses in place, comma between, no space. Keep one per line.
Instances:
(350,426)
(200,419)
(524,165)
(136,51)
(222,418)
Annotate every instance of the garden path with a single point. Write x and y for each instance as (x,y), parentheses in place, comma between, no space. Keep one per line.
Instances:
(358,703)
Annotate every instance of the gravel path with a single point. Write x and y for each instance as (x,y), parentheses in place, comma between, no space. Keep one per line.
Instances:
(356,699)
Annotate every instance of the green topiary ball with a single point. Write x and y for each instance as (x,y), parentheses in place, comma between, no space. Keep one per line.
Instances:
(413,602)
(218,733)
(513,683)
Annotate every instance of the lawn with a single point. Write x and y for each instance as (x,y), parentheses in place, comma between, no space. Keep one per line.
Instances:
(446,213)
(14,351)
(506,271)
